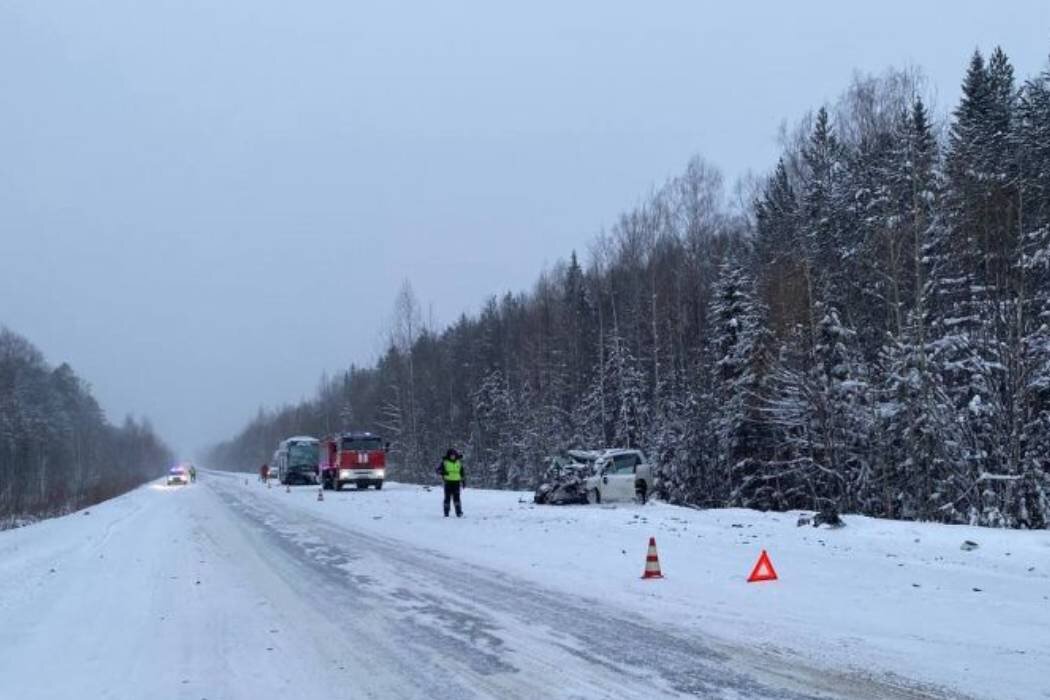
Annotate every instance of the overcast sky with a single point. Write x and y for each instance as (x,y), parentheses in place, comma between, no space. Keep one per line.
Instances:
(204,205)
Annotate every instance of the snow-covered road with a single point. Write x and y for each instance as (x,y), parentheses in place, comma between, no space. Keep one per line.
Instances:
(229,590)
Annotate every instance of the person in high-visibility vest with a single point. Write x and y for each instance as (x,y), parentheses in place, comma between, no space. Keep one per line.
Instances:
(451,473)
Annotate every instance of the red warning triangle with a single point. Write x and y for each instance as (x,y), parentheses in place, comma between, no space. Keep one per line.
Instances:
(763,570)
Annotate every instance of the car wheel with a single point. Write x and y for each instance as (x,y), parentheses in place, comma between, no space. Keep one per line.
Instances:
(337,486)
(379,486)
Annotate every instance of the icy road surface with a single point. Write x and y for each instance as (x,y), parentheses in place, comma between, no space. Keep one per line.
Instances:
(230,590)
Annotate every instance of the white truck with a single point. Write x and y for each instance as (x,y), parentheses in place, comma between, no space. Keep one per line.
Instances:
(619,475)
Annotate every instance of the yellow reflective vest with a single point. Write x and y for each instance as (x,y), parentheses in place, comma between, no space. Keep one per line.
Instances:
(453,470)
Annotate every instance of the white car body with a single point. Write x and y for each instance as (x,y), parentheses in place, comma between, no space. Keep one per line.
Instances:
(618,476)
(178,477)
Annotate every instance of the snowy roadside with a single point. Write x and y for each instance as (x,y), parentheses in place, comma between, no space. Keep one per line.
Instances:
(877,597)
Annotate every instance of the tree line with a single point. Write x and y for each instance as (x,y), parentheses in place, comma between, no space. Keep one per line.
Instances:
(865,328)
(58,453)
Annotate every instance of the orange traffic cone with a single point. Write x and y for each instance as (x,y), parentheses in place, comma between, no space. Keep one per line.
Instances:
(320,494)
(763,570)
(652,562)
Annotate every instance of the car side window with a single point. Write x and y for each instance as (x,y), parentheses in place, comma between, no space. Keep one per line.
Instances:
(624,464)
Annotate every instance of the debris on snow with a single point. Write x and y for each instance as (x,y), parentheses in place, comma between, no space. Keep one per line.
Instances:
(828,516)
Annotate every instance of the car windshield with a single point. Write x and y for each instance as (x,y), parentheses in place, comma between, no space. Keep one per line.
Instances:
(362,444)
(302,454)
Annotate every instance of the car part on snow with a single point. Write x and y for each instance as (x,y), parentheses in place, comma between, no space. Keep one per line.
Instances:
(828,516)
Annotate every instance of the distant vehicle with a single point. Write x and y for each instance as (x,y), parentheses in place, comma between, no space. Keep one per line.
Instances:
(296,460)
(178,476)
(619,475)
(353,458)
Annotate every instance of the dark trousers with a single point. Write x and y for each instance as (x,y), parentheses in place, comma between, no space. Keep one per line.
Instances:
(452,494)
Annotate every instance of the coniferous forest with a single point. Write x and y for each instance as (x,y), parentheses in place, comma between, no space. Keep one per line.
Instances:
(865,328)
(57,451)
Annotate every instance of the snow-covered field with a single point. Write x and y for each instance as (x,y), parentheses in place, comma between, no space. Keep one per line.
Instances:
(226,589)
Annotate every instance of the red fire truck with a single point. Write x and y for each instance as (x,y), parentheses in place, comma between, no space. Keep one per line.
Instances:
(353,458)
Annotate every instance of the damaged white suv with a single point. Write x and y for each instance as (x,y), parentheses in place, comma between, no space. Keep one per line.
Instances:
(620,475)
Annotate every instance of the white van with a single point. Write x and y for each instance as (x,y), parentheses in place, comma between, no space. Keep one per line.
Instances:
(620,475)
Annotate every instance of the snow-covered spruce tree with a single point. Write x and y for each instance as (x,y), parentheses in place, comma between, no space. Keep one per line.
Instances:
(1029,500)
(822,201)
(971,299)
(920,442)
(578,331)
(780,262)
(1028,491)
(671,445)
(628,393)
(783,479)
(890,176)
(820,411)
(739,350)
(918,438)
(495,436)
(591,425)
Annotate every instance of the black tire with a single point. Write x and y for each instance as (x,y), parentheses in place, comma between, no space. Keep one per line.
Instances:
(337,486)
(379,486)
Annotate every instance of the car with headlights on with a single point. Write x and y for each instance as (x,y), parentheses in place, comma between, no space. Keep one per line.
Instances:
(178,476)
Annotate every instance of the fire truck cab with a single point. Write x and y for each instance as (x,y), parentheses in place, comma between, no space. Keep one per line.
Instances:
(353,458)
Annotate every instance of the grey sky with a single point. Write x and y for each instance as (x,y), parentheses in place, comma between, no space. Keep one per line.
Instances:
(203,205)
